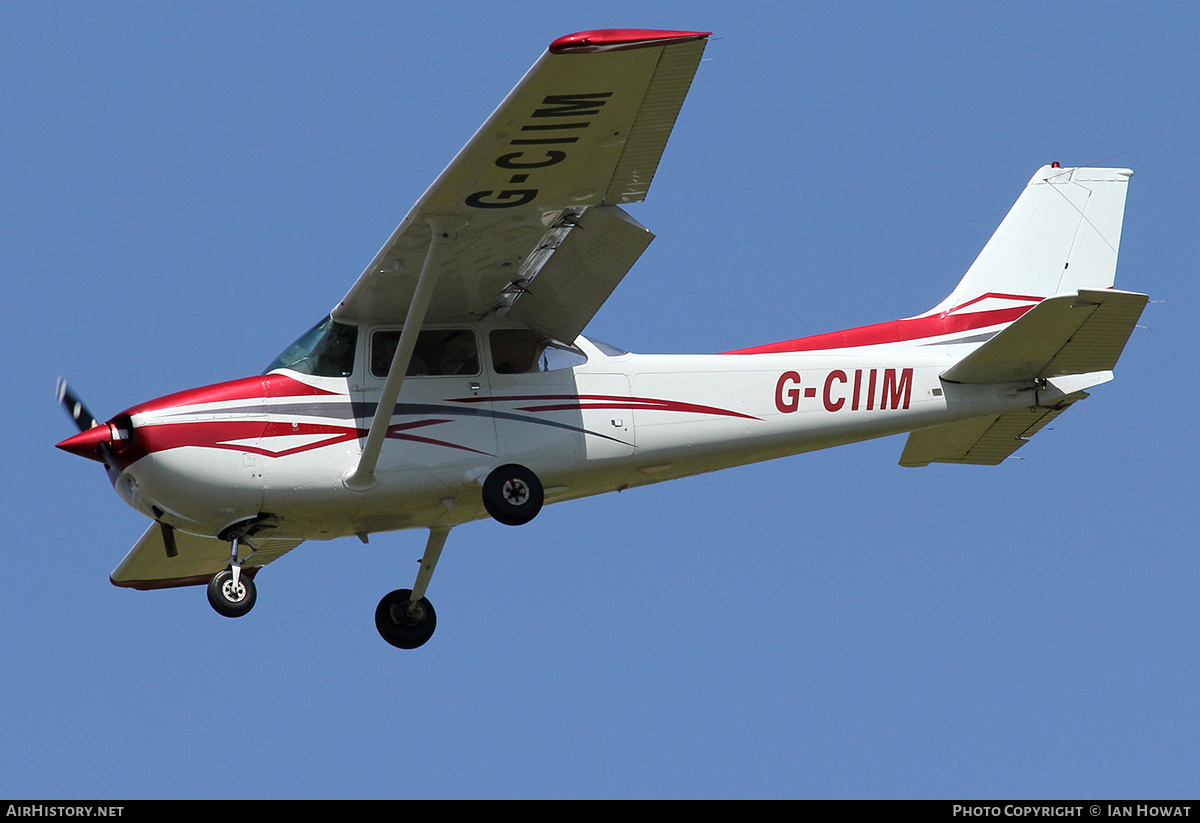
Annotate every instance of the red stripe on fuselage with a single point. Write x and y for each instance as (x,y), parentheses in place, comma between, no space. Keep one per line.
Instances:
(232,435)
(247,388)
(602,401)
(903,331)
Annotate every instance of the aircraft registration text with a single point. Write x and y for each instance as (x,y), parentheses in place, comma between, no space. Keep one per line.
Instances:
(864,389)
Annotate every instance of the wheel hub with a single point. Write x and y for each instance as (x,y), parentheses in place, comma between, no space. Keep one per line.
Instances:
(234,594)
(407,614)
(516,492)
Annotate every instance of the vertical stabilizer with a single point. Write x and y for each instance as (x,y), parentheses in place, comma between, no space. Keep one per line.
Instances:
(1062,235)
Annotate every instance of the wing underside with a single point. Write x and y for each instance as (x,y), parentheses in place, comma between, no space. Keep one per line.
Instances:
(193,561)
(584,130)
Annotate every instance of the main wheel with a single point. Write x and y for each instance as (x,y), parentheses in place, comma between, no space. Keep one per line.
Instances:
(230,600)
(513,495)
(402,623)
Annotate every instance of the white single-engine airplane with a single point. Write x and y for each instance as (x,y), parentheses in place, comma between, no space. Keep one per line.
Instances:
(452,382)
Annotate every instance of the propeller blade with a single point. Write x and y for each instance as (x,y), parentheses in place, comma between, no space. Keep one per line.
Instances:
(95,442)
(70,401)
(91,442)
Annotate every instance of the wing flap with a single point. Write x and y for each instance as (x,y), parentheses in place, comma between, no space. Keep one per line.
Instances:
(196,559)
(580,273)
(1066,334)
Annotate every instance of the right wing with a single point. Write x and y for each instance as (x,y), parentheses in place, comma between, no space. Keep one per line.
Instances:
(543,178)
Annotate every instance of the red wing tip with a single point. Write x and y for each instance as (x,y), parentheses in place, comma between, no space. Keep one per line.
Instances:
(585,42)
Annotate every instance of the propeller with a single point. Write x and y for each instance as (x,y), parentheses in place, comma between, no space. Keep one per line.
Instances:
(95,441)
(78,412)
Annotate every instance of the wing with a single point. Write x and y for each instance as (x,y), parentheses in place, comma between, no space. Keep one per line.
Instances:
(535,195)
(149,564)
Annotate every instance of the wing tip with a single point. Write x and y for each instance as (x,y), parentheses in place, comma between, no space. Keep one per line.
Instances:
(599,40)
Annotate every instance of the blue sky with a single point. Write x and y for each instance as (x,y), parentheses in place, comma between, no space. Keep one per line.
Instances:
(187,188)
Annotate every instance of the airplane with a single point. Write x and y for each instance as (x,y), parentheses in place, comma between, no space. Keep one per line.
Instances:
(453,382)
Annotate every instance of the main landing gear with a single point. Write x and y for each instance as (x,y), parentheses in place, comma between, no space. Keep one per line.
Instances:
(403,622)
(513,495)
(405,618)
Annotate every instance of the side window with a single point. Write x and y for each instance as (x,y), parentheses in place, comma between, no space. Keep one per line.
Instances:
(438,353)
(522,351)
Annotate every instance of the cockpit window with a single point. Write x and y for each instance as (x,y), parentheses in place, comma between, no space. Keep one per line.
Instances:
(522,351)
(438,352)
(325,350)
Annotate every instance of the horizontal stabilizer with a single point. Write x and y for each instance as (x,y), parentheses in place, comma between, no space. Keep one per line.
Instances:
(980,441)
(1067,334)
(195,560)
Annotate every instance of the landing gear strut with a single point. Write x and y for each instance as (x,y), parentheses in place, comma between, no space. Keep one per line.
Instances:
(405,618)
(230,592)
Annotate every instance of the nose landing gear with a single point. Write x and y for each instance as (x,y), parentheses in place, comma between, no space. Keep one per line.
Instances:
(231,592)
(230,597)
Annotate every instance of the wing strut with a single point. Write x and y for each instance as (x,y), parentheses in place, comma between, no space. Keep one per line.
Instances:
(441,228)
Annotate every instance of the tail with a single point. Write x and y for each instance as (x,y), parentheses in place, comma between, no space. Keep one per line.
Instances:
(1062,235)
(1046,278)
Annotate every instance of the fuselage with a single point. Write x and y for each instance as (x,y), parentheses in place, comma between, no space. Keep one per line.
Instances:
(277,448)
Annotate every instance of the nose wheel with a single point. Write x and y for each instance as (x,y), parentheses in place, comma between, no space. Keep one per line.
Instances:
(231,597)
(231,592)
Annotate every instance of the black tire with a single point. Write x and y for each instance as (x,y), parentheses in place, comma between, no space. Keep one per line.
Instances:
(513,495)
(401,626)
(228,601)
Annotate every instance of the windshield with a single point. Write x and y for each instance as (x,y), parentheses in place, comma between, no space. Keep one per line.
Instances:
(325,350)
(606,348)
